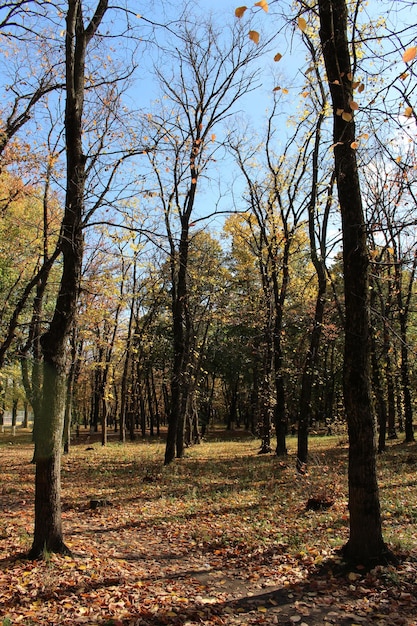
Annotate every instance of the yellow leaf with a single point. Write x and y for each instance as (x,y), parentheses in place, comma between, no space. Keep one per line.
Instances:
(347,116)
(254,36)
(354,105)
(410,54)
(302,24)
(240,11)
(408,112)
(263,4)
(354,145)
(305,94)
(284,90)
(278,57)
(262,609)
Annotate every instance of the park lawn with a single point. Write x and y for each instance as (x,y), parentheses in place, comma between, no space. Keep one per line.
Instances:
(222,536)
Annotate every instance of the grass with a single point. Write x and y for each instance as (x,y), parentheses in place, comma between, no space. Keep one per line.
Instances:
(223,508)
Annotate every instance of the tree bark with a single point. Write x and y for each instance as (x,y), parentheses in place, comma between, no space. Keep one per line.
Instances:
(365,542)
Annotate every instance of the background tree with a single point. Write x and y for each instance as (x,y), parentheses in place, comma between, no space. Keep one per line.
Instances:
(209,74)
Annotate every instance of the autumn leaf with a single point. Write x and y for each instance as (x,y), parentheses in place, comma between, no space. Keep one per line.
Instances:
(254,36)
(263,4)
(278,57)
(347,117)
(302,24)
(354,105)
(240,11)
(354,145)
(408,112)
(410,54)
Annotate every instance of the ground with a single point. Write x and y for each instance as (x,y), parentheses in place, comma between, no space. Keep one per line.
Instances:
(220,537)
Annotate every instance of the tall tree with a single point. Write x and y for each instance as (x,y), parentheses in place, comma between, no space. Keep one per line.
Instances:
(48,535)
(365,539)
(208,75)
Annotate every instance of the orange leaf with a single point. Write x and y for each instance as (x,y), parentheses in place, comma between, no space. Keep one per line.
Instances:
(354,105)
(240,11)
(347,116)
(278,57)
(408,112)
(302,24)
(254,36)
(361,87)
(410,54)
(263,4)
(354,145)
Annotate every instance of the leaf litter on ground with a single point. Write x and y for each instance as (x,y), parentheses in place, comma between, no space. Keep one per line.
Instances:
(222,536)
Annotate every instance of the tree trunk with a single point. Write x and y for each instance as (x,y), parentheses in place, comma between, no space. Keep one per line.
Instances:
(49,425)
(365,542)
(48,432)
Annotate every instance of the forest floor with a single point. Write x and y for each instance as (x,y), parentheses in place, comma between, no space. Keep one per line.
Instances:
(222,537)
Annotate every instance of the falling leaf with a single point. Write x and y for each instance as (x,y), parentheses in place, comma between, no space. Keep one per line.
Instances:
(240,11)
(361,88)
(276,89)
(254,36)
(404,76)
(354,105)
(410,54)
(194,181)
(408,112)
(354,145)
(263,4)
(302,24)
(339,112)
(138,15)
(347,116)
(278,57)
(213,137)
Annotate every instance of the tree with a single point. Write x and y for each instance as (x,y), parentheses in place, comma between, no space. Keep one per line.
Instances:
(365,539)
(48,534)
(208,76)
